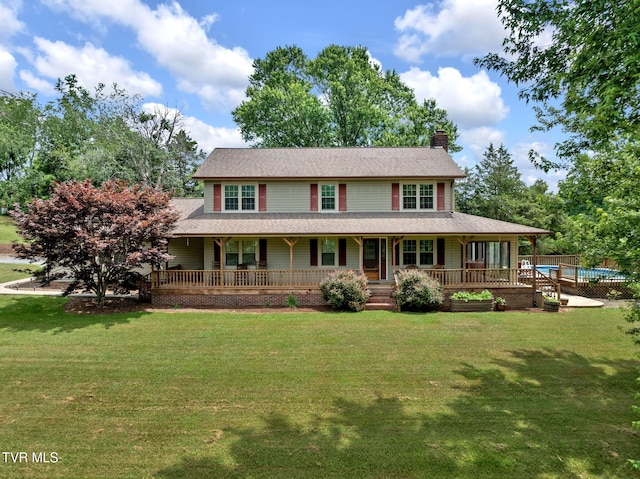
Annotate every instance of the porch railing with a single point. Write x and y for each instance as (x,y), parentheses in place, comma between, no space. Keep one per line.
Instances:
(311,278)
(553,259)
(241,279)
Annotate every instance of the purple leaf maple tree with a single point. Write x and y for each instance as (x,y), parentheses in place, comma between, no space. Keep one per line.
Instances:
(98,236)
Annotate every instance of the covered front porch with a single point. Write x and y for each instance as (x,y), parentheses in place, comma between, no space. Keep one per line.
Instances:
(264,270)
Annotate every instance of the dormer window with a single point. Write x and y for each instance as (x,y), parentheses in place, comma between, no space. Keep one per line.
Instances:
(417,196)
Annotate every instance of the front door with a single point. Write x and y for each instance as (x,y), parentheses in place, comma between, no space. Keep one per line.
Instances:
(371,258)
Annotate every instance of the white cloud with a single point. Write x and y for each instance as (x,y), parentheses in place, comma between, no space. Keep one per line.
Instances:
(10,23)
(477,140)
(179,43)
(37,84)
(7,70)
(470,102)
(91,65)
(450,27)
(207,136)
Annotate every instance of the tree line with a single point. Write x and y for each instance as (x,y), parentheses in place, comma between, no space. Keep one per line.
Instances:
(102,135)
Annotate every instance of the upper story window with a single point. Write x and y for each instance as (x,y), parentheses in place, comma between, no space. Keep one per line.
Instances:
(417,196)
(328,197)
(240,197)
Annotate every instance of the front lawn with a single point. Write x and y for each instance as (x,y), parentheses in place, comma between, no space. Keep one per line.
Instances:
(315,395)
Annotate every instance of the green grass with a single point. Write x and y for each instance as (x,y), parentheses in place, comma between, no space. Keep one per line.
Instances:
(316,395)
(8,231)
(13,272)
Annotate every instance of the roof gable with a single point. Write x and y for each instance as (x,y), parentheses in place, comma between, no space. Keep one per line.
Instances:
(377,162)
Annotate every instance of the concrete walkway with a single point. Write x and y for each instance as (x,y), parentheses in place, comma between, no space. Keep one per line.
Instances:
(581,302)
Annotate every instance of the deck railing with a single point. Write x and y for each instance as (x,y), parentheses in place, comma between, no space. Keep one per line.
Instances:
(311,278)
(242,279)
(552,259)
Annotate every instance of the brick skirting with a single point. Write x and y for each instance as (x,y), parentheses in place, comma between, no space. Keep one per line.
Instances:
(239,300)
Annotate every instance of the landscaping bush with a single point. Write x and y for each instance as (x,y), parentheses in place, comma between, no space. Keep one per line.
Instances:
(346,290)
(417,291)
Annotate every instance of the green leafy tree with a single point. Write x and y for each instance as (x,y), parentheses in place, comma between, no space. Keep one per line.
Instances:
(495,188)
(339,98)
(578,60)
(20,117)
(97,235)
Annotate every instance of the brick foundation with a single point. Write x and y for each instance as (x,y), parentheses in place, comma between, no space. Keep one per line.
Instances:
(256,299)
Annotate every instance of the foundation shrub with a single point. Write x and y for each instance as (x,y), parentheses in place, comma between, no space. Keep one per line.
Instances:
(417,291)
(345,290)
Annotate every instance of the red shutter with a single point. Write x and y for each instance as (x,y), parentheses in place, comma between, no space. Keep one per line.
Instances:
(342,252)
(342,197)
(395,196)
(440,196)
(314,197)
(313,252)
(262,197)
(440,251)
(217,197)
(263,250)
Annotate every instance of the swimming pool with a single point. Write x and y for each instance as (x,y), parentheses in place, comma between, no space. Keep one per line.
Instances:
(581,274)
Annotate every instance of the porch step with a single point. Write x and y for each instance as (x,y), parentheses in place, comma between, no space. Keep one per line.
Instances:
(380,299)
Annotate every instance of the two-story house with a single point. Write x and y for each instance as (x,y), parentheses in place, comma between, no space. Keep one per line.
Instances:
(276,221)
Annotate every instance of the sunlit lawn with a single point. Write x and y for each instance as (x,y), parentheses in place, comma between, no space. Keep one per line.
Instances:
(295,395)
(7,230)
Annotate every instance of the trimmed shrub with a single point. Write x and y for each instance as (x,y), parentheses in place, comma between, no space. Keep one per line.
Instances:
(346,290)
(417,291)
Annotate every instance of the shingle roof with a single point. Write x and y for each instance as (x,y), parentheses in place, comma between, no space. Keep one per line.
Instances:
(415,162)
(194,222)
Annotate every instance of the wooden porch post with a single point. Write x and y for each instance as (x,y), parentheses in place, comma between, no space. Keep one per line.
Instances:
(291,242)
(395,241)
(221,242)
(533,239)
(464,241)
(358,240)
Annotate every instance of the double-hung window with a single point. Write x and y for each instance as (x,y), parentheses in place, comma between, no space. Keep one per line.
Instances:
(328,197)
(237,252)
(417,196)
(412,255)
(328,250)
(240,197)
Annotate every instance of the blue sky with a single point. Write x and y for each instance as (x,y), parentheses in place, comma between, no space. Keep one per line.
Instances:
(196,55)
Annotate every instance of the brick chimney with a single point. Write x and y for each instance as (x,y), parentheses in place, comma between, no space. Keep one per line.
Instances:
(440,139)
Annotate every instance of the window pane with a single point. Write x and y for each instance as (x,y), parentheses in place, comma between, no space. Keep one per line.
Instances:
(248,197)
(328,248)
(231,253)
(409,252)
(249,252)
(231,197)
(409,200)
(426,197)
(328,193)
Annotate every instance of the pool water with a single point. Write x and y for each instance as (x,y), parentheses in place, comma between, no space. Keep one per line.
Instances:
(584,273)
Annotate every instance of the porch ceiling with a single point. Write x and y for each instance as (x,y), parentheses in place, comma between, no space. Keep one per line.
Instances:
(194,222)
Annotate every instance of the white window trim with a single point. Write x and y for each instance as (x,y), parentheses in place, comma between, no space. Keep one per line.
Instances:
(240,185)
(335,253)
(241,251)
(417,251)
(417,185)
(336,197)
